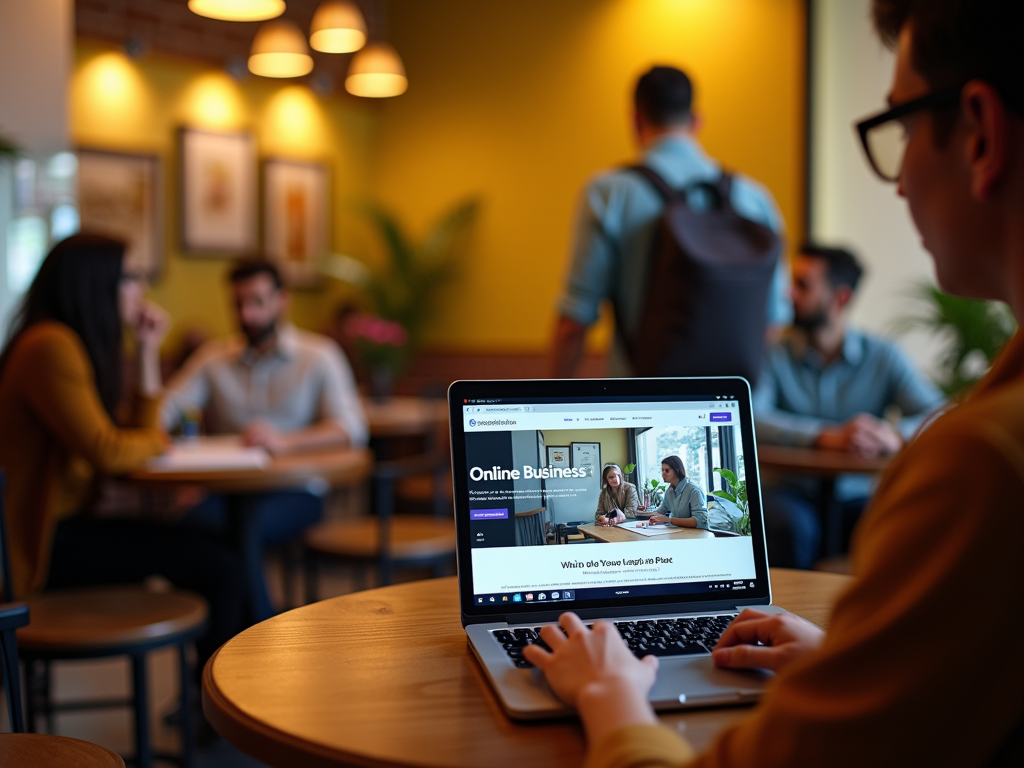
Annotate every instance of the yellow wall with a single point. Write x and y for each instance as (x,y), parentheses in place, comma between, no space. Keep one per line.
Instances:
(613,441)
(518,102)
(522,101)
(120,104)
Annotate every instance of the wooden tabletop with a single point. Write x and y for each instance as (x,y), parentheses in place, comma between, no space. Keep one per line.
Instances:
(812,461)
(337,467)
(404,415)
(385,678)
(613,533)
(21,750)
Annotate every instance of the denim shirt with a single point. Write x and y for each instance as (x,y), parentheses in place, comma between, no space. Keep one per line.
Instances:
(614,234)
(685,500)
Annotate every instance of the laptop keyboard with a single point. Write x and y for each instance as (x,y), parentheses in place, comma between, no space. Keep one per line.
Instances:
(648,637)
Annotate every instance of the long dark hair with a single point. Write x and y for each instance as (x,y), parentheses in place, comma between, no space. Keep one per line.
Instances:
(77,285)
(676,465)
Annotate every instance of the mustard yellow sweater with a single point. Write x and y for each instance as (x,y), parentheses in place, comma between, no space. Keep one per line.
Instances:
(54,436)
(922,664)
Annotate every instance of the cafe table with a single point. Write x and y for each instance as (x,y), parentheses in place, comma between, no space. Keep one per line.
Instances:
(320,469)
(401,416)
(385,678)
(618,534)
(826,466)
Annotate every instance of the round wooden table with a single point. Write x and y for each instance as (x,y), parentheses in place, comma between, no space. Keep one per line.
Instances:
(385,678)
(334,468)
(404,416)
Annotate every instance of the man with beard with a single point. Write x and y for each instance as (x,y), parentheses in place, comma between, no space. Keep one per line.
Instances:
(829,386)
(278,387)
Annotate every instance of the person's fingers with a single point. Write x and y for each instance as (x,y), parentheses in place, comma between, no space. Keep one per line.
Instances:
(603,627)
(537,656)
(750,631)
(553,636)
(571,623)
(750,657)
(652,662)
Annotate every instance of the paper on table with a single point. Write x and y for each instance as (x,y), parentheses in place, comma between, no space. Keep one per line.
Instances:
(209,454)
(654,529)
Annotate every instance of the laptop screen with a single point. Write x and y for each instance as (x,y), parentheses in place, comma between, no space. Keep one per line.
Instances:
(562,490)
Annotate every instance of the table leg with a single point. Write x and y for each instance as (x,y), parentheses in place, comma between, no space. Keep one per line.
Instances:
(245,531)
(831,518)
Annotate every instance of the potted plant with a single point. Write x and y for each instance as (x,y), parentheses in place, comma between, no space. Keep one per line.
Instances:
(402,293)
(730,509)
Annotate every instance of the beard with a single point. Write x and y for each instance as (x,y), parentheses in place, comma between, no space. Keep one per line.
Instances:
(811,321)
(257,334)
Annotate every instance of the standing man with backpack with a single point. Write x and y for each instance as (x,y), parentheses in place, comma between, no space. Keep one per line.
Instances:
(690,258)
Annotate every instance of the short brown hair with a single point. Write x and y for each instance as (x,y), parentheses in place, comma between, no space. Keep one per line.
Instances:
(250,266)
(960,40)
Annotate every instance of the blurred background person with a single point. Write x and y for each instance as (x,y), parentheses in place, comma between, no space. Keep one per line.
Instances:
(618,501)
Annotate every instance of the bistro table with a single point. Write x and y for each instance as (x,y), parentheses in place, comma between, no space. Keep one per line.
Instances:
(401,416)
(827,466)
(333,468)
(385,678)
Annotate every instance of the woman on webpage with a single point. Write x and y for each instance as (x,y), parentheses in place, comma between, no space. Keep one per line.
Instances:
(684,504)
(618,500)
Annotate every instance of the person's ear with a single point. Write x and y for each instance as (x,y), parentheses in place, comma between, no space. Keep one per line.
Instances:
(696,123)
(987,145)
(285,297)
(842,294)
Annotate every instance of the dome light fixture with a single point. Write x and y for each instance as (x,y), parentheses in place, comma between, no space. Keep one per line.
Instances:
(338,27)
(237,10)
(376,72)
(279,50)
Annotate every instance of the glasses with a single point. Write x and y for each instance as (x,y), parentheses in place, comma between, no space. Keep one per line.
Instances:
(884,136)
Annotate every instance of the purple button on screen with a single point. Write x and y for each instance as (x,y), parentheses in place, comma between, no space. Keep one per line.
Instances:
(488,514)
(721,417)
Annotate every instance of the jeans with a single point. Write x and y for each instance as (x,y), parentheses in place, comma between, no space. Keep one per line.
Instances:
(792,522)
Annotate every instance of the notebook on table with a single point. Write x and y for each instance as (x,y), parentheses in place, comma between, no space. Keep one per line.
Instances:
(527,460)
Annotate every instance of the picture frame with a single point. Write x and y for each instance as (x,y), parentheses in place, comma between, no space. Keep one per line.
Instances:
(218,201)
(559,456)
(587,455)
(296,218)
(120,194)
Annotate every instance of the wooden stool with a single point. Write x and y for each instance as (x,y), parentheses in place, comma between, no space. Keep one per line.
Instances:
(386,539)
(95,622)
(31,750)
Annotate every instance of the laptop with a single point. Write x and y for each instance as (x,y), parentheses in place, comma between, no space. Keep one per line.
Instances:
(527,460)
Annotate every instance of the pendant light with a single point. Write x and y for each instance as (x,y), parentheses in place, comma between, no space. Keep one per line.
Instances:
(279,50)
(237,10)
(376,72)
(338,27)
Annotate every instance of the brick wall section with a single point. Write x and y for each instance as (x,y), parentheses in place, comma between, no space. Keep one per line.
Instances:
(168,26)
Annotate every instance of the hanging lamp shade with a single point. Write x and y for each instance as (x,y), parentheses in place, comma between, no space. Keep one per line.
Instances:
(376,72)
(237,10)
(279,50)
(338,27)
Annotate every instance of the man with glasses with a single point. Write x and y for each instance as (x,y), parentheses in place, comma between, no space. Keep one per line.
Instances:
(921,664)
(829,386)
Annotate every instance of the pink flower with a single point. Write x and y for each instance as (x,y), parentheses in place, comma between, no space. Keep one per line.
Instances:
(376,330)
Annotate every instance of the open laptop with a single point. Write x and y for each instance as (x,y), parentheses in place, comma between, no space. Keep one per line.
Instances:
(527,459)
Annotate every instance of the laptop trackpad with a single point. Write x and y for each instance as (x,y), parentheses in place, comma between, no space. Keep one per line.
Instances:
(695,681)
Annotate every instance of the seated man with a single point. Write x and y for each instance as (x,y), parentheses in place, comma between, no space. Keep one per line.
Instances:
(829,386)
(283,389)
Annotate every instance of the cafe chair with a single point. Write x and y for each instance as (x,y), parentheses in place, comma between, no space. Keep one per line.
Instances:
(530,528)
(99,622)
(569,533)
(19,748)
(387,540)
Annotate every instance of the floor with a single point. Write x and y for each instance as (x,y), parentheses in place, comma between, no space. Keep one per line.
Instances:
(110,678)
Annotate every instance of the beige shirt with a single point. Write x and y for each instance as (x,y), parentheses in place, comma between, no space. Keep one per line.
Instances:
(304,380)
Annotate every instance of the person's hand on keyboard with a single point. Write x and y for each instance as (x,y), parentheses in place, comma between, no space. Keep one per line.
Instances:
(594,671)
(756,640)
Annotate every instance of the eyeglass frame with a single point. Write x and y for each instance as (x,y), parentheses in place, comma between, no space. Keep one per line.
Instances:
(940,98)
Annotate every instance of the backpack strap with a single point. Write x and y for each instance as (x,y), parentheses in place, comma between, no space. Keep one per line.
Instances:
(666,192)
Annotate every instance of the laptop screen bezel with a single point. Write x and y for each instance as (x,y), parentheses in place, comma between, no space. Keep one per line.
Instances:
(594,390)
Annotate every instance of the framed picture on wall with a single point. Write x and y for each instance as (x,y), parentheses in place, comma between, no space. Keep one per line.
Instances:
(295,218)
(119,195)
(587,456)
(218,193)
(558,456)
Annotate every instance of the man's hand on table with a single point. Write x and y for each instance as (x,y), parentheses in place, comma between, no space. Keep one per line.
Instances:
(260,434)
(864,434)
(595,672)
(786,637)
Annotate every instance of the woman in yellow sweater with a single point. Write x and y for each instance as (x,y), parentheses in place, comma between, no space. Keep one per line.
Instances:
(60,386)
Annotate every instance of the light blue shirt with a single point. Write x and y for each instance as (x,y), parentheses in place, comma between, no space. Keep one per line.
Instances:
(685,500)
(798,395)
(614,237)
